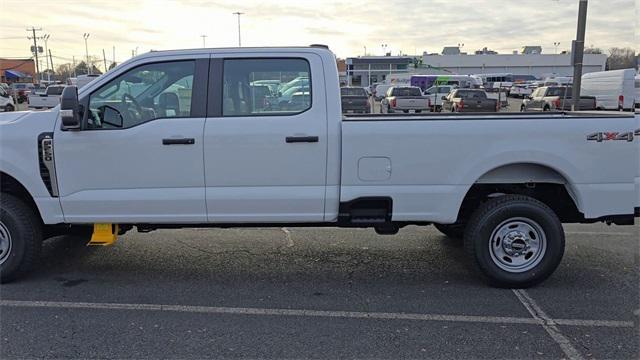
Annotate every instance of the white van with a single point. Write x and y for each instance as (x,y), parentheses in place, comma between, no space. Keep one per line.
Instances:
(637,85)
(614,90)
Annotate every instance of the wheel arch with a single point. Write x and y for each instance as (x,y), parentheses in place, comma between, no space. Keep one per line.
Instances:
(10,185)
(540,181)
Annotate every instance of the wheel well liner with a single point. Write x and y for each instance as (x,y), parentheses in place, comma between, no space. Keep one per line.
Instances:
(9,185)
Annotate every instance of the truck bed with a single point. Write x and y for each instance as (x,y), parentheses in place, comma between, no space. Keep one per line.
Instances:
(427,159)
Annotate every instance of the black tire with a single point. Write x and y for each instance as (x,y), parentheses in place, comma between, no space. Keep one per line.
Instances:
(454,231)
(546,108)
(24,229)
(9,108)
(522,108)
(491,216)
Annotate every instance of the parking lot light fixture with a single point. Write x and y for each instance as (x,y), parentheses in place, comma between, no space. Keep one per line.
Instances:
(86,49)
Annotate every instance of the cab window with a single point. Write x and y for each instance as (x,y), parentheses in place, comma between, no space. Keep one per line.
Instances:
(142,94)
(258,87)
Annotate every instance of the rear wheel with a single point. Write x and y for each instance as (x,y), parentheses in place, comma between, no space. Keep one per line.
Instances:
(522,108)
(515,241)
(20,238)
(546,108)
(9,108)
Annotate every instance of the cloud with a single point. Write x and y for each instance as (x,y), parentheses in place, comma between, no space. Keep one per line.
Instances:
(346,26)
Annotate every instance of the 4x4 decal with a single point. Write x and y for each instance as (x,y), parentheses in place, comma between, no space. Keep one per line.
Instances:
(607,136)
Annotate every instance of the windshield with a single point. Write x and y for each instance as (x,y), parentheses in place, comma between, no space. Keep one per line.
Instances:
(558,91)
(353,92)
(406,91)
(470,94)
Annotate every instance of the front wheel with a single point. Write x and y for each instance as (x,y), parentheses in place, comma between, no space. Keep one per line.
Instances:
(20,238)
(9,108)
(515,241)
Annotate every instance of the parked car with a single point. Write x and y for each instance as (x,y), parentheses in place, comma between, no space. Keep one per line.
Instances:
(469,100)
(637,87)
(381,91)
(83,80)
(555,98)
(6,100)
(355,100)
(404,99)
(21,91)
(521,90)
(49,99)
(435,94)
(113,165)
(613,90)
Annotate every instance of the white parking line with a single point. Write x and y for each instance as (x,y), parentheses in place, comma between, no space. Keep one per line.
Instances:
(597,233)
(548,324)
(308,313)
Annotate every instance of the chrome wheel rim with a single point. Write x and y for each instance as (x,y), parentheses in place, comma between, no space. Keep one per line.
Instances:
(5,243)
(517,245)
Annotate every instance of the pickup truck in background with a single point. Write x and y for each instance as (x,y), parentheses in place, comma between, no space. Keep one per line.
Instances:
(404,99)
(49,99)
(469,100)
(355,100)
(435,93)
(177,139)
(555,98)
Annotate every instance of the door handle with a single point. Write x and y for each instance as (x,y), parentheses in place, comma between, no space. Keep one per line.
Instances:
(301,139)
(182,141)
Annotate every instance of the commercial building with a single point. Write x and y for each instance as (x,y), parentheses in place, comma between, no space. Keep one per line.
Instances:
(17,70)
(536,64)
(366,70)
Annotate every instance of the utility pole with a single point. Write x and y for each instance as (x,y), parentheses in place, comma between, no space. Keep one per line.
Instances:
(35,48)
(75,74)
(86,49)
(51,58)
(239,37)
(46,37)
(104,57)
(204,44)
(114,54)
(578,54)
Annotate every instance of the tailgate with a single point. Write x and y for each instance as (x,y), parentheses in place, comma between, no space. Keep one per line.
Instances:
(416,102)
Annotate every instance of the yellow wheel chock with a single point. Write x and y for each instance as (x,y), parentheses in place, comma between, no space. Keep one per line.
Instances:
(104,235)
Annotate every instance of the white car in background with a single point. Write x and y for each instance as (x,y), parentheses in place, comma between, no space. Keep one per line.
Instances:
(435,94)
(6,100)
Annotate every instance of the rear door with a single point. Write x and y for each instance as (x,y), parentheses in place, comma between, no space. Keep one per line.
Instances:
(265,156)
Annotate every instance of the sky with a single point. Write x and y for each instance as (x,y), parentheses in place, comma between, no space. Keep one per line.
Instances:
(347,26)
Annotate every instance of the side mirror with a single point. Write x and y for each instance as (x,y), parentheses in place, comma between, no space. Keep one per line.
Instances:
(111,116)
(70,108)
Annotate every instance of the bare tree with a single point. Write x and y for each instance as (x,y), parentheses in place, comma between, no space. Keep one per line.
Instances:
(621,58)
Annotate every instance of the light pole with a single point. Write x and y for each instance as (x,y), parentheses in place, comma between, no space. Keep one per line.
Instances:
(384,49)
(203,40)
(460,46)
(577,54)
(555,45)
(86,49)
(238,13)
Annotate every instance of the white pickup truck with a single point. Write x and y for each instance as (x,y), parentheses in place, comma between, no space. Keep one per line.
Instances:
(178,139)
(47,100)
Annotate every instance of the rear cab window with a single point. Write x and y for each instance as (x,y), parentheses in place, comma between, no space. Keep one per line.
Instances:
(353,92)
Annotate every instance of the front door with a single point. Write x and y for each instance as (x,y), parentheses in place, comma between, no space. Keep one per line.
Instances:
(266,147)
(139,155)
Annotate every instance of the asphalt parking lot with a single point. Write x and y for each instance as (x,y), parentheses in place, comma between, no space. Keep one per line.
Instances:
(318,293)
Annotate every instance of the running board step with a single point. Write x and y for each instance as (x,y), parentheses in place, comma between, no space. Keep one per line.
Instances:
(104,235)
